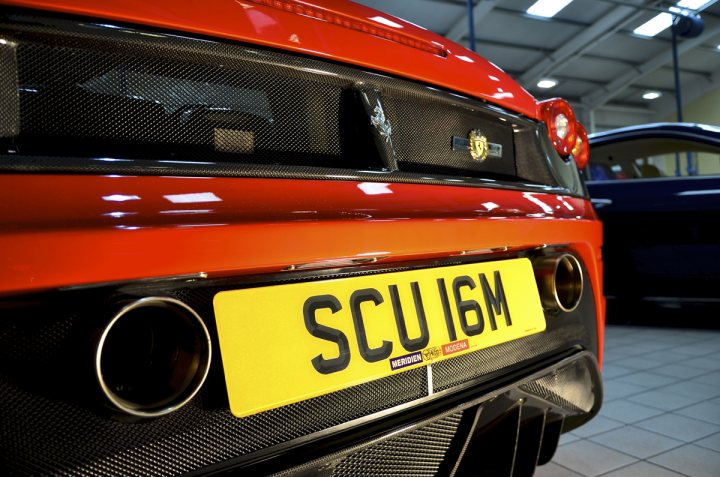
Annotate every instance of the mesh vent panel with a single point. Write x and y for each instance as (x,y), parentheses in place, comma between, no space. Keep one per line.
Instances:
(416,453)
(432,124)
(45,435)
(123,103)
(484,362)
(87,90)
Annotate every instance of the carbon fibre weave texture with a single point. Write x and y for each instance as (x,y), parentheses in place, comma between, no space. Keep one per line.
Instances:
(416,453)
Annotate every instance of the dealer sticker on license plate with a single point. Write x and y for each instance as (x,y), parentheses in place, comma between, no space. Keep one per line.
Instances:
(286,343)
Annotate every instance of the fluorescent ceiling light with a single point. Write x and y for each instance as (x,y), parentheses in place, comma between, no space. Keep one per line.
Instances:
(655,25)
(547,8)
(662,21)
(652,95)
(696,5)
(547,83)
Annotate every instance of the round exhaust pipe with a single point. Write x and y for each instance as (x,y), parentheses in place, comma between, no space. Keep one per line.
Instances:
(153,357)
(560,281)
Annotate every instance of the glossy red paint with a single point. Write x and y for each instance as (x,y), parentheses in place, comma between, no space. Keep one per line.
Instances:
(460,70)
(64,230)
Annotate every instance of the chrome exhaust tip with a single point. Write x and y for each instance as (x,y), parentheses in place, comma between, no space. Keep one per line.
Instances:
(560,281)
(153,357)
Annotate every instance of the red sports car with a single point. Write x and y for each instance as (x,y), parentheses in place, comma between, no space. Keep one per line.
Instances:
(284,237)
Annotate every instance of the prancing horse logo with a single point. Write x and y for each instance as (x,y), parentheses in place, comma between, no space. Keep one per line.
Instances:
(381,124)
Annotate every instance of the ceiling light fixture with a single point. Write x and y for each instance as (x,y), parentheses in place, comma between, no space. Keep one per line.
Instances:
(547,83)
(655,25)
(652,95)
(547,8)
(664,20)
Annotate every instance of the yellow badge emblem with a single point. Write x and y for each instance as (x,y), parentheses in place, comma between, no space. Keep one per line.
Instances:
(478,145)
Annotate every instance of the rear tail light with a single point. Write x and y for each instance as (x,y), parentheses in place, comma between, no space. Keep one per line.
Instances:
(581,151)
(567,135)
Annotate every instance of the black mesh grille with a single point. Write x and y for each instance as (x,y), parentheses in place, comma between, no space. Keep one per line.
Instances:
(87,90)
(416,453)
(145,101)
(485,362)
(42,433)
(425,127)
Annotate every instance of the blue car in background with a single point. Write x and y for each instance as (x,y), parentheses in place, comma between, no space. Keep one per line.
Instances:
(656,187)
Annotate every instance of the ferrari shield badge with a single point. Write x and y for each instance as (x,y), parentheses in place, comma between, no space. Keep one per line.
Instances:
(478,145)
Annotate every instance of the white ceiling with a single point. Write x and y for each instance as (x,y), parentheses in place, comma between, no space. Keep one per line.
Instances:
(602,68)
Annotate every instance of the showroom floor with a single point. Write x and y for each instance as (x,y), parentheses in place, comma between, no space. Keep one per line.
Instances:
(661,413)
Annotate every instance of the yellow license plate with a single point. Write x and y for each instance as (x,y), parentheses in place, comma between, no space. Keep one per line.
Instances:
(286,343)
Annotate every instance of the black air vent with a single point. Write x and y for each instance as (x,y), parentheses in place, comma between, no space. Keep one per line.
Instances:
(96,91)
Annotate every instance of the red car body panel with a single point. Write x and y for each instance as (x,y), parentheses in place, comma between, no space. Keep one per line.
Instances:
(81,230)
(460,70)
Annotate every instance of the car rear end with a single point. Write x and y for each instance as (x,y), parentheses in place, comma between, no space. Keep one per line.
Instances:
(283,238)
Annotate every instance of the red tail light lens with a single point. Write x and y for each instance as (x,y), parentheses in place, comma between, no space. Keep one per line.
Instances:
(560,120)
(581,151)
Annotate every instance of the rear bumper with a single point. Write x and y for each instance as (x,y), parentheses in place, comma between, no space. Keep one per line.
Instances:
(78,256)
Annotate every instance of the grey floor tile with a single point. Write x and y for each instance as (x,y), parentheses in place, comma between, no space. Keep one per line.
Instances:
(709,363)
(618,332)
(639,363)
(622,341)
(647,379)
(661,399)
(611,371)
(615,390)
(589,458)
(597,425)
(636,442)
(678,335)
(611,343)
(642,469)
(680,370)
(628,412)
(647,347)
(665,357)
(698,349)
(712,378)
(694,389)
(691,460)
(567,438)
(551,469)
(651,344)
(673,336)
(705,411)
(712,442)
(679,427)
(620,357)
(648,371)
